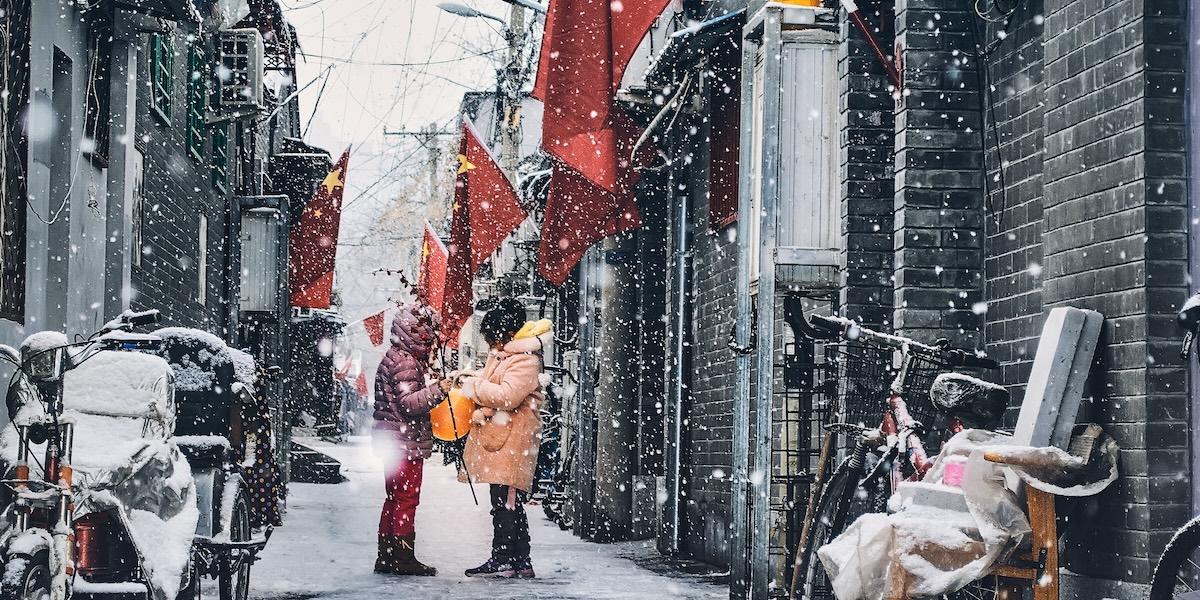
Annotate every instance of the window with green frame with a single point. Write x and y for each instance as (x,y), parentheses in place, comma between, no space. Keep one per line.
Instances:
(197,97)
(162,74)
(220,156)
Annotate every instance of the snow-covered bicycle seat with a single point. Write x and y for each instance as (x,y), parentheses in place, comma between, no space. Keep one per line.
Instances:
(976,402)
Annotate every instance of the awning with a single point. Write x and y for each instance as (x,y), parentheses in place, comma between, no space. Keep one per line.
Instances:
(685,47)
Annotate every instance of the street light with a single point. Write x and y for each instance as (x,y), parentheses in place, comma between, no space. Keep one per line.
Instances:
(530,4)
(461,10)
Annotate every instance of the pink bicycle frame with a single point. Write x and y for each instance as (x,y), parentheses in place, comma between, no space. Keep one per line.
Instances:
(897,419)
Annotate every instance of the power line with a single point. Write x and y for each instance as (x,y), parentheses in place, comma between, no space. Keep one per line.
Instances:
(408,64)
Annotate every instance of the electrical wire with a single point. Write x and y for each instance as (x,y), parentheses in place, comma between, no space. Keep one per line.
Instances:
(408,64)
(985,85)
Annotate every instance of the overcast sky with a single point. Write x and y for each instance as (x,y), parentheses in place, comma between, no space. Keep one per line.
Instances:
(371,65)
(386,64)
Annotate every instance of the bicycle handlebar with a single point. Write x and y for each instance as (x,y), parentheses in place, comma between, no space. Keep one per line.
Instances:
(851,330)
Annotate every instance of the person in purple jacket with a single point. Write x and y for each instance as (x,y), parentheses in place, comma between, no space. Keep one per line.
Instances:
(403,435)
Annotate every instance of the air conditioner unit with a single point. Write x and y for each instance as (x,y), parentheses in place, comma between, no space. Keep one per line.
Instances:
(240,76)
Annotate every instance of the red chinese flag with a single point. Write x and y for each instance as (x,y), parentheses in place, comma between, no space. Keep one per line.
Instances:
(586,48)
(431,279)
(312,241)
(374,326)
(486,211)
(360,383)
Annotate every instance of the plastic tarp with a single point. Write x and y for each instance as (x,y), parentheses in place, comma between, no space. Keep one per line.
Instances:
(125,459)
(926,549)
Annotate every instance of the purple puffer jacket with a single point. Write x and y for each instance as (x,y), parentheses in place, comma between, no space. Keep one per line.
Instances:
(402,400)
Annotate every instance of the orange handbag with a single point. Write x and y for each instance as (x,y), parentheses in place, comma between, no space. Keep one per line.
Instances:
(450,428)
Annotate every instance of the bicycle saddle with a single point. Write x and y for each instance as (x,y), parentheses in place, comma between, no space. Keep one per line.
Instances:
(976,402)
(1189,314)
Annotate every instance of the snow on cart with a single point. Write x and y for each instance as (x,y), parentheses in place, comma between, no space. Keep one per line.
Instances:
(213,384)
(101,498)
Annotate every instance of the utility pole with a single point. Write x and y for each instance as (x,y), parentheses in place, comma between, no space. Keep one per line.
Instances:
(508,93)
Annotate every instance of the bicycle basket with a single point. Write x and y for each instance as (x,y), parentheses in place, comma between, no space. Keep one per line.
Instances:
(922,371)
(863,375)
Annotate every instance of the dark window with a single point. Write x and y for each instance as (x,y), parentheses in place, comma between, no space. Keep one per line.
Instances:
(14,150)
(197,96)
(162,74)
(98,119)
(725,126)
(220,156)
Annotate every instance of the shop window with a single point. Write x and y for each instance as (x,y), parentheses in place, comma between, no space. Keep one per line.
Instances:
(220,157)
(197,96)
(162,75)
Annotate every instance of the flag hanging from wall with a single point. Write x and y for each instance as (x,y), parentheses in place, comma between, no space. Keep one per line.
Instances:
(374,326)
(486,211)
(585,51)
(431,278)
(312,241)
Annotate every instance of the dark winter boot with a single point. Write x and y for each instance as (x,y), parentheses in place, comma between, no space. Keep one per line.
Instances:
(516,568)
(386,557)
(490,568)
(522,569)
(406,562)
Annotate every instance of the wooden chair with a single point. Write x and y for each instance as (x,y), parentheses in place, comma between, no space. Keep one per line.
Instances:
(1037,567)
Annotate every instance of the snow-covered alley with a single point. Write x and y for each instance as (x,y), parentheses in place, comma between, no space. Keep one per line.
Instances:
(326,548)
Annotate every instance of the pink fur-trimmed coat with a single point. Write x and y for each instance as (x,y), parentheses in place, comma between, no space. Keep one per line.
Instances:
(506,429)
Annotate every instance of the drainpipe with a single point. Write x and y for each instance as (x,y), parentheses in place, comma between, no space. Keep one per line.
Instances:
(680,292)
(738,513)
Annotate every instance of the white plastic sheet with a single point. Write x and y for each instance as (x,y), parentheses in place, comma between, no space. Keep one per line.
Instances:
(922,551)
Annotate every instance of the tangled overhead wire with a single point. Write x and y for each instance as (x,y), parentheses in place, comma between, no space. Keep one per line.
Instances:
(993,13)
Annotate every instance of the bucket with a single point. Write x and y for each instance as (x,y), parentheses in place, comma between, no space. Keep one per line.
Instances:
(450,429)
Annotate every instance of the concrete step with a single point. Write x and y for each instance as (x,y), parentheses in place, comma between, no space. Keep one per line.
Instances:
(312,466)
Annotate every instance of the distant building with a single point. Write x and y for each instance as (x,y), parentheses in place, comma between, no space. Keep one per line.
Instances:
(150,155)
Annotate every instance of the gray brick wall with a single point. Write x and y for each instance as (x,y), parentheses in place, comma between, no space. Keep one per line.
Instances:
(178,189)
(867,132)
(710,422)
(939,198)
(1014,243)
(1115,223)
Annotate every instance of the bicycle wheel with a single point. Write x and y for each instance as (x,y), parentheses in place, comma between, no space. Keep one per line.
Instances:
(842,501)
(984,589)
(1177,575)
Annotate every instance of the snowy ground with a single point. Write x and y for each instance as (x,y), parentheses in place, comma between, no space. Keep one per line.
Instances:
(326,548)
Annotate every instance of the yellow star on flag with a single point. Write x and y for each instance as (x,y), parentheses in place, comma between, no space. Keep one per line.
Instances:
(425,249)
(464,165)
(332,180)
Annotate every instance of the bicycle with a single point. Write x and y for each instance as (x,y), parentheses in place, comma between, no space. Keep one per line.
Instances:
(894,451)
(1177,574)
(557,450)
(39,541)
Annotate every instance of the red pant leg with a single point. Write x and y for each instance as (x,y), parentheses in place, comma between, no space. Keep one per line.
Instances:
(403,487)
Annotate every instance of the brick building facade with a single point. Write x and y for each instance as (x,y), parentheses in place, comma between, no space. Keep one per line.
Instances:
(185,195)
(1084,105)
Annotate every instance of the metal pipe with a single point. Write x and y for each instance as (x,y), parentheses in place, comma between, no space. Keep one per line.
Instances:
(741,334)
(760,479)
(585,448)
(680,293)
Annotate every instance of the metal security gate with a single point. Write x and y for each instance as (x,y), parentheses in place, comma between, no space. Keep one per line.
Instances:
(803,405)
